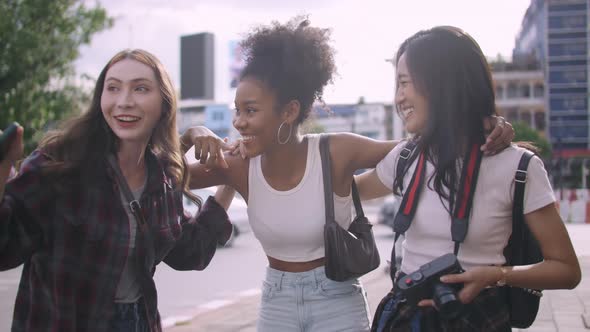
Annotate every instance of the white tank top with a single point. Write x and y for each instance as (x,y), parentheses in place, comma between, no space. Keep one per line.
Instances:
(290,224)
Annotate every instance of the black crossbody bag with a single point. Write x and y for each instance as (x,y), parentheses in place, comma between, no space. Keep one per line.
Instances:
(349,253)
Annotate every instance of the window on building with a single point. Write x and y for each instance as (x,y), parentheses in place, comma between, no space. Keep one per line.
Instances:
(499,92)
(512,91)
(217,116)
(526,117)
(512,115)
(540,121)
(539,90)
(524,91)
(556,7)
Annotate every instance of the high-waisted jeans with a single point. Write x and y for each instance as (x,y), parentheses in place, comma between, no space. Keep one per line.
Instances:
(310,302)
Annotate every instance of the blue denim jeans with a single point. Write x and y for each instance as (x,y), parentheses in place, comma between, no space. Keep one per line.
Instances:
(310,302)
(129,317)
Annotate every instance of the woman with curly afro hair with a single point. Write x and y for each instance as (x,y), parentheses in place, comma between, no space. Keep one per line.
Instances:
(279,173)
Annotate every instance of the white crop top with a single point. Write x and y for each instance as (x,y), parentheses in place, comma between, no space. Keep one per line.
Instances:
(290,224)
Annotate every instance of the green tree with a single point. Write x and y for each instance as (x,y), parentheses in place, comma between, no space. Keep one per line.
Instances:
(39,40)
(524,133)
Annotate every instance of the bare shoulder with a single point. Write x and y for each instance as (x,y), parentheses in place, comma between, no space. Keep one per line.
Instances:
(358,152)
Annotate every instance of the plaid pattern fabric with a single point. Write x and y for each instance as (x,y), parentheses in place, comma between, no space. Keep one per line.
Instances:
(488,312)
(74,245)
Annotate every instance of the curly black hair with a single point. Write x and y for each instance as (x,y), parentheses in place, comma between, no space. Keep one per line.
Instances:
(294,59)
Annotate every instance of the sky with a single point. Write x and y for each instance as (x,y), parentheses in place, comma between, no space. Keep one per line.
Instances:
(364,33)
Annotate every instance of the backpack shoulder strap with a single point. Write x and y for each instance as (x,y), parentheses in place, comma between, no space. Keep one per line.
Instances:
(406,157)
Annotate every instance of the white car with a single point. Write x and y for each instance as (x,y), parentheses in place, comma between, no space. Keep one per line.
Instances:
(237,212)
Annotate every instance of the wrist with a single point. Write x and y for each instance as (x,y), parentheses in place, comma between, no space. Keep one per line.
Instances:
(502,276)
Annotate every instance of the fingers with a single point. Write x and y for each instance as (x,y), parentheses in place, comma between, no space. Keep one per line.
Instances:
(426,303)
(204,153)
(242,150)
(455,278)
(499,138)
(15,146)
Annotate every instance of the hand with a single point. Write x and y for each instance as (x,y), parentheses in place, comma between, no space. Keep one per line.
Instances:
(473,281)
(239,148)
(208,146)
(15,150)
(500,137)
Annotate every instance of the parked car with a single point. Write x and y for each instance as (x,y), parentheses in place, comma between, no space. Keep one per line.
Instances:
(237,212)
(388,210)
(386,217)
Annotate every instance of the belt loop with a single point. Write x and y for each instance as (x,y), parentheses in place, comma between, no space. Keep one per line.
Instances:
(318,275)
(280,283)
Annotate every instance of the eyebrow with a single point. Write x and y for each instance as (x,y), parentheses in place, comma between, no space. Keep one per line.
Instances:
(248,102)
(133,80)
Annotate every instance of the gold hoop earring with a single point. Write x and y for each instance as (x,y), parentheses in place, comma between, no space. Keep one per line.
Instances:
(279,133)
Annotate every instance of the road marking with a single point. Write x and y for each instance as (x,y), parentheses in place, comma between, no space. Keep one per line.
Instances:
(206,307)
(249,292)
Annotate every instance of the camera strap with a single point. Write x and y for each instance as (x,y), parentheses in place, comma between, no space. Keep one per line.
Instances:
(462,208)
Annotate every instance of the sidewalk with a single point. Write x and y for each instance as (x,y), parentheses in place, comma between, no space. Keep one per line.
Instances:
(561,310)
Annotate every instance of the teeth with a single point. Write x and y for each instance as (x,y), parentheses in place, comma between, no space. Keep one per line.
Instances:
(247,138)
(406,112)
(127,118)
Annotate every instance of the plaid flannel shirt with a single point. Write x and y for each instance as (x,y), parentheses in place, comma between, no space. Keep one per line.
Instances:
(74,245)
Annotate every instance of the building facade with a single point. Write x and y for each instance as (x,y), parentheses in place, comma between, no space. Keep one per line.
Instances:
(520,94)
(556,33)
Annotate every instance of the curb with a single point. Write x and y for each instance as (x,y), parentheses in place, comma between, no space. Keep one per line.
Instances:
(185,319)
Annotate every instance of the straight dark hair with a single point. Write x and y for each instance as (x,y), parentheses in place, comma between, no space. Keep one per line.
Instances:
(449,69)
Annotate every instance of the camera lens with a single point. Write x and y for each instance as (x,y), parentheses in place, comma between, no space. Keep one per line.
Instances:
(445,298)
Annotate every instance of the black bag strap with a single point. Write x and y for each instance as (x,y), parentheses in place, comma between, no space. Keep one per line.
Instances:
(406,157)
(518,223)
(462,208)
(145,236)
(328,191)
(518,201)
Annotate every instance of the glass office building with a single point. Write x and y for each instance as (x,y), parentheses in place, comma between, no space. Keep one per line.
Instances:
(556,33)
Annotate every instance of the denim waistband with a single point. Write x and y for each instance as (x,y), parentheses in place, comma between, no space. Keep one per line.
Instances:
(282,278)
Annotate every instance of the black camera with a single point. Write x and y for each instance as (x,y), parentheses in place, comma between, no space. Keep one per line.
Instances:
(425,284)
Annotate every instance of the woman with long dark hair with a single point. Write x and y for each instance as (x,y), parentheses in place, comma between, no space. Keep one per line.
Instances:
(444,91)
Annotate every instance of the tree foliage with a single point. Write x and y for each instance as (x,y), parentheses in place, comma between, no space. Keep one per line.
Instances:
(39,41)
(524,133)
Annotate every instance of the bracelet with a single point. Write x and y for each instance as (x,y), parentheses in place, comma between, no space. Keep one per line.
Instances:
(502,281)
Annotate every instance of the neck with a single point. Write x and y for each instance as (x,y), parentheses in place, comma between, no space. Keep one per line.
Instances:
(131,160)
(282,157)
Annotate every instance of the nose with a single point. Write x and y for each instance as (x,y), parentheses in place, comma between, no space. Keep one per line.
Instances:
(399,96)
(239,121)
(125,99)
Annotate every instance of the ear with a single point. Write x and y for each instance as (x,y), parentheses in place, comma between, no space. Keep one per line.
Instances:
(291,111)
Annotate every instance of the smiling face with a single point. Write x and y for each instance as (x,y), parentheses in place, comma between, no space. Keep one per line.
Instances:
(255,116)
(131,101)
(411,105)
